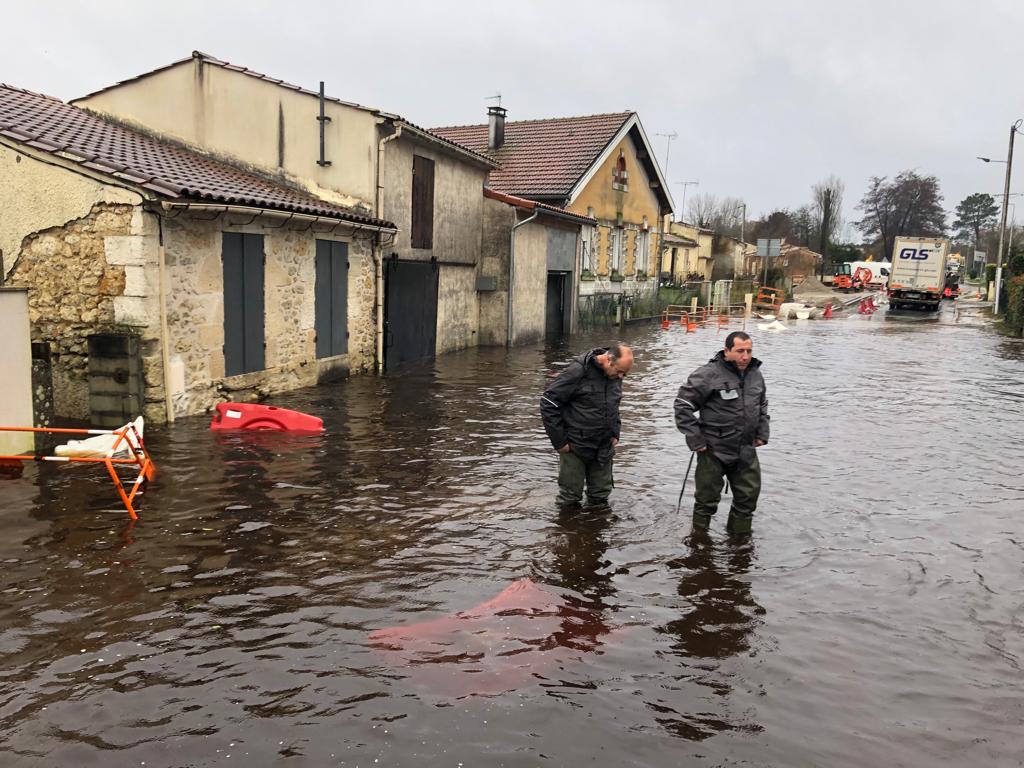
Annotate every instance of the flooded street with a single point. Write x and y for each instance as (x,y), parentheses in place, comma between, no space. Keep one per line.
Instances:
(876,617)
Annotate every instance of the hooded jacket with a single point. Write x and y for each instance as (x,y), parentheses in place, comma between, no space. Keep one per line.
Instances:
(724,409)
(581,407)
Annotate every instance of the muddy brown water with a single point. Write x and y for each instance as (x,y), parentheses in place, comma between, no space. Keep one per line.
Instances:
(875,618)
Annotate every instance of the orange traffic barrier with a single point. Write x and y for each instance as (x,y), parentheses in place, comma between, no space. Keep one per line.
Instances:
(828,311)
(138,456)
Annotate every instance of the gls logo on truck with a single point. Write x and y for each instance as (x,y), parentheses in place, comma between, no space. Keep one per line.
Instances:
(915,254)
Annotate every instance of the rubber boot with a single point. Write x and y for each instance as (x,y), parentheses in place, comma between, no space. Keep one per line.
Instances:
(701,522)
(738,526)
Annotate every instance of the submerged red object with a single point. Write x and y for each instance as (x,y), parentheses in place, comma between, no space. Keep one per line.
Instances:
(517,638)
(236,416)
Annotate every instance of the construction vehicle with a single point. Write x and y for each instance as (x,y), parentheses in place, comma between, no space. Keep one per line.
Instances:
(849,279)
(918,275)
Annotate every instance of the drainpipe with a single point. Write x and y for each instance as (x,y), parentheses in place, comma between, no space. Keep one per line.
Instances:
(512,268)
(165,353)
(378,307)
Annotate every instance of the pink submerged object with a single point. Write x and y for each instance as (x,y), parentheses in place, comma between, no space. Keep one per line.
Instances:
(242,416)
(500,645)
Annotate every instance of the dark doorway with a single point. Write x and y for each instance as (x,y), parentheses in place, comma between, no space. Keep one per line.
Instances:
(555,322)
(410,311)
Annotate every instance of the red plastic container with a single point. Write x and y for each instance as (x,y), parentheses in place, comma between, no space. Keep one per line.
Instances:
(236,416)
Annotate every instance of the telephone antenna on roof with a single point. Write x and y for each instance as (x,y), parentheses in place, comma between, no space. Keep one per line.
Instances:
(497,96)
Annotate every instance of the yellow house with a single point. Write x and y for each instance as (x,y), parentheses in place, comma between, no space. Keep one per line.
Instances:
(598,166)
(688,253)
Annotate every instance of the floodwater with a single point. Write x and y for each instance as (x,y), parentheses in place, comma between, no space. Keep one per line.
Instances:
(876,617)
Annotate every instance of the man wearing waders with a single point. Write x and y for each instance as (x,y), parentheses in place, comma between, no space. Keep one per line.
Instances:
(581,416)
(723,411)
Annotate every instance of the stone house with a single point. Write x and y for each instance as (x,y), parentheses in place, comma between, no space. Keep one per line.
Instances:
(236,284)
(600,167)
(345,154)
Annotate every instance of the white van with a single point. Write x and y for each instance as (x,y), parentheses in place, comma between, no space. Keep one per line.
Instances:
(879,271)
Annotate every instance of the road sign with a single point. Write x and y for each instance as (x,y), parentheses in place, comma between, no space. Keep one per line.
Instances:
(767,248)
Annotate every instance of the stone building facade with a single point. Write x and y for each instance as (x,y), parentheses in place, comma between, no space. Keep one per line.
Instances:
(143,250)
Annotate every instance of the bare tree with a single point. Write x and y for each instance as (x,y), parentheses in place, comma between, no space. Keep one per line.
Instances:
(828,205)
(702,209)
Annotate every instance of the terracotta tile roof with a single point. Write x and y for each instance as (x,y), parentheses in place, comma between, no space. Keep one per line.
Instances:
(541,158)
(157,165)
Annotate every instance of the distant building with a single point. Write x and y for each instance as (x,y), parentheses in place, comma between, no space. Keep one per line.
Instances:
(598,167)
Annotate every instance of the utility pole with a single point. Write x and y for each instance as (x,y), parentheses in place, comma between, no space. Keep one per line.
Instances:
(1002,219)
(684,185)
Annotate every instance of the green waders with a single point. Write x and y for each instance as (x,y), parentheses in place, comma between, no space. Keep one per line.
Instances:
(746,487)
(574,472)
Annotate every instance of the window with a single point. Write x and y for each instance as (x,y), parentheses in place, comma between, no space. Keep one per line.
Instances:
(331,297)
(616,245)
(586,247)
(422,202)
(620,176)
(643,250)
(243,261)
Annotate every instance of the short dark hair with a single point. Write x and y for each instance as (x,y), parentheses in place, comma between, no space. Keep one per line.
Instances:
(730,340)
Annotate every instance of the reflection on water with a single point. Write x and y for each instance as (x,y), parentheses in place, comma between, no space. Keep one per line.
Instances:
(879,599)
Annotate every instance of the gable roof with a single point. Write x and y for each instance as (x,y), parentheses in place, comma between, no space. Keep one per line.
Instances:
(206,58)
(159,166)
(542,208)
(554,158)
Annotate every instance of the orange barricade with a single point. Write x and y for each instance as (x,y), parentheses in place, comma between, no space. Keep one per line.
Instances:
(138,456)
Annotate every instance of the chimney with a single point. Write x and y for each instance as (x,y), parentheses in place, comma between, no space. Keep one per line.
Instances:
(496,127)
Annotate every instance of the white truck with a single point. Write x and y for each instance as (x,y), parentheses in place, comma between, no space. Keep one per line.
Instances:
(918,273)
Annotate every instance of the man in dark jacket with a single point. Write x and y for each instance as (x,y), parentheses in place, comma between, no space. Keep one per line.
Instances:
(581,416)
(723,411)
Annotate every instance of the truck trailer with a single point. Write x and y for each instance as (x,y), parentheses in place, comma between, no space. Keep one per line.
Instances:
(918,273)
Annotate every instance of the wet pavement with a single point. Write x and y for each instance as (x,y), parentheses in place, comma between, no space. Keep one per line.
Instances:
(875,618)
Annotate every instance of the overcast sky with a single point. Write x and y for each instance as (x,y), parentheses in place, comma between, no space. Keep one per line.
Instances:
(766,97)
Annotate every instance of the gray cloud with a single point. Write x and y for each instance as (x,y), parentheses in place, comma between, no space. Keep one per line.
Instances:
(766,98)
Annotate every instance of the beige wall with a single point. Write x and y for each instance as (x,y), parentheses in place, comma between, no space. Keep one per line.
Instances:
(36,195)
(633,206)
(16,372)
(195,313)
(253,122)
(529,289)
(458,212)
(498,219)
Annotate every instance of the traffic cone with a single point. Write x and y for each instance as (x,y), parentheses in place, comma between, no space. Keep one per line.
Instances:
(862,308)
(691,327)
(664,323)
(828,311)
(871,303)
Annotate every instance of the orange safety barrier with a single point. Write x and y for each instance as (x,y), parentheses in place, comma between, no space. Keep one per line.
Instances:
(139,457)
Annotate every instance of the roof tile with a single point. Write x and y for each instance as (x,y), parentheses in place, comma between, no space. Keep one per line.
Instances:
(541,158)
(164,168)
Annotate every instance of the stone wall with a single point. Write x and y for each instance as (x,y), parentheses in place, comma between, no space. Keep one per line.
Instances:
(195,313)
(79,284)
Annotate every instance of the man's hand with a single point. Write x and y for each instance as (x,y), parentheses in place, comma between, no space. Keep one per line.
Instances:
(565,448)
(701,450)
(615,442)
(758,443)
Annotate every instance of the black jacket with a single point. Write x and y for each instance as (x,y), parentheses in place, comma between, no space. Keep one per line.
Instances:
(723,409)
(581,407)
